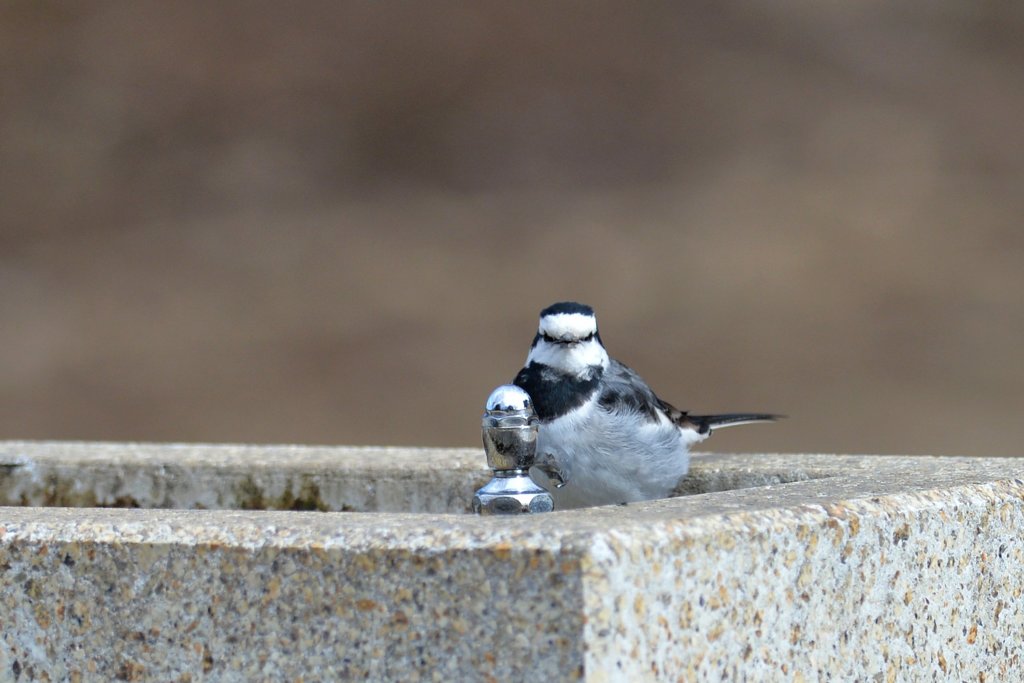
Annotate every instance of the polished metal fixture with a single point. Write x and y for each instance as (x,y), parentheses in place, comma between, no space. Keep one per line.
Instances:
(510,442)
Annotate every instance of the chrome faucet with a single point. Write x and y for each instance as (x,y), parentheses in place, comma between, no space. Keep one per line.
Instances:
(510,442)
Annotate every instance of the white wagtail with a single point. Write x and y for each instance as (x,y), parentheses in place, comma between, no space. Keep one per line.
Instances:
(605,437)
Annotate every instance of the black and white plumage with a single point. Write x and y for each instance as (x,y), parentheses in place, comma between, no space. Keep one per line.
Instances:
(605,436)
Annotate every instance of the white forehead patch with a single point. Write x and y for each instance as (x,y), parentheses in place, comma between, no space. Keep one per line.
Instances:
(568,325)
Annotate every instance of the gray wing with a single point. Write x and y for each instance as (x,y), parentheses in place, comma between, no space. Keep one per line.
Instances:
(624,390)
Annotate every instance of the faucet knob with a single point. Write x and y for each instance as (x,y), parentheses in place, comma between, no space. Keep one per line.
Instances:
(508,398)
(510,429)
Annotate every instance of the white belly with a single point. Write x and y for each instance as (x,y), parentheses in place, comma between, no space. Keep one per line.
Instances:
(610,458)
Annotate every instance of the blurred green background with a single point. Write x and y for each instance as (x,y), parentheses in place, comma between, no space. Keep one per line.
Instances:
(327,222)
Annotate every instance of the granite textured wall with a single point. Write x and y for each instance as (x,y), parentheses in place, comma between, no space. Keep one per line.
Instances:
(789,567)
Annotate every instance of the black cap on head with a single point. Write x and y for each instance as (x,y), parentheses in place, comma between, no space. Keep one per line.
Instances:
(567,307)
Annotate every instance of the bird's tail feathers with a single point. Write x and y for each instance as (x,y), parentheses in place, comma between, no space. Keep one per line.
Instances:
(708,423)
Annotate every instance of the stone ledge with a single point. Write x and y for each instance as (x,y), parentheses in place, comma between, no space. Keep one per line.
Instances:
(861,565)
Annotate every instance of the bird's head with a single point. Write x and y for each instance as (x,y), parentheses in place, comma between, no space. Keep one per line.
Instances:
(567,339)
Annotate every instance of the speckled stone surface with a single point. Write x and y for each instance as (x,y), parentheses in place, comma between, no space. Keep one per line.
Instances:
(781,567)
(239,477)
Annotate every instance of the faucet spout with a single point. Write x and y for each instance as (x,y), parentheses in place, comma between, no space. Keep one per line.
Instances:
(510,429)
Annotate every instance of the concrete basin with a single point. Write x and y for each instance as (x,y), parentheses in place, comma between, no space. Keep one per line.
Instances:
(202,562)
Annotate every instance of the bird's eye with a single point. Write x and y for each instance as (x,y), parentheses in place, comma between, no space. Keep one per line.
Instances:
(588,337)
(549,338)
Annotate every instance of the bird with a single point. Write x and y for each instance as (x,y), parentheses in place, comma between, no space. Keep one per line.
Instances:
(604,437)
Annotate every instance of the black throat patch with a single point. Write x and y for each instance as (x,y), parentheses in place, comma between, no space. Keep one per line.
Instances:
(554,393)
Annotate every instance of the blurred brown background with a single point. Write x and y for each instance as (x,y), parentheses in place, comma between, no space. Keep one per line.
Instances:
(329,222)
